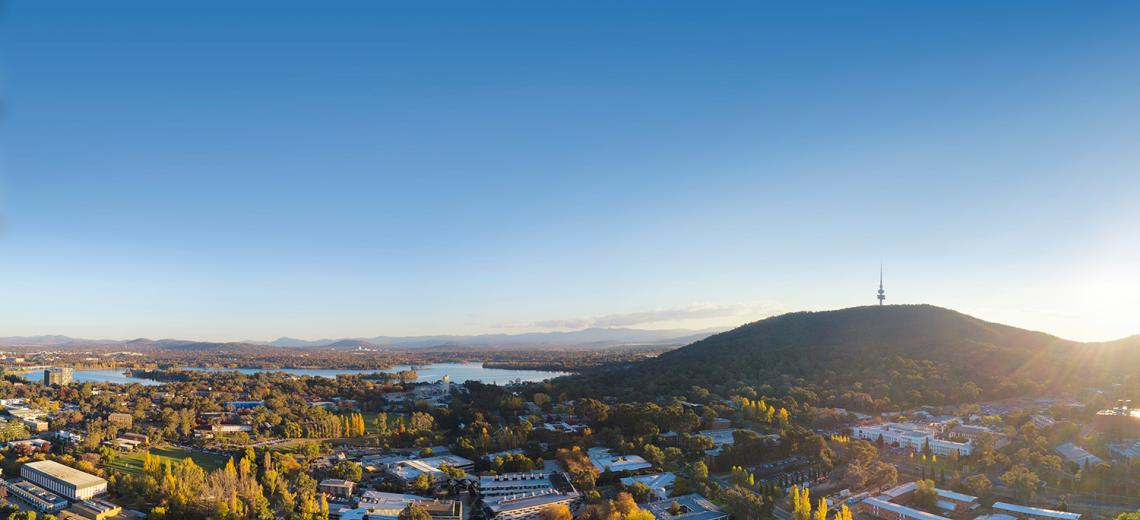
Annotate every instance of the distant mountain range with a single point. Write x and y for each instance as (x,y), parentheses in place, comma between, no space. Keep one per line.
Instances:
(587,338)
(593,337)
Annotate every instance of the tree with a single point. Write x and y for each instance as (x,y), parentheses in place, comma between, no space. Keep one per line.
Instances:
(801,503)
(624,503)
(925,495)
(742,503)
(414,512)
(1135,515)
(820,512)
(641,492)
(979,485)
(421,484)
(699,472)
(558,512)
(1023,481)
(592,410)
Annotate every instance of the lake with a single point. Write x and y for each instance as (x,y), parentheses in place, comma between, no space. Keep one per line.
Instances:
(458,372)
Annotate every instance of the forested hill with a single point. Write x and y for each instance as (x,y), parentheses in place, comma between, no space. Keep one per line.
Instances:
(872,358)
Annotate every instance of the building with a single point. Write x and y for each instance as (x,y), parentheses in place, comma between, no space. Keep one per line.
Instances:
(514,484)
(122,420)
(377,505)
(58,376)
(39,498)
(1076,454)
(532,504)
(230,428)
(407,470)
(124,445)
(886,510)
(950,501)
(720,423)
(96,509)
(912,436)
(605,460)
(69,482)
(661,484)
(692,507)
(527,506)
(336,487)
(1127,452)
(244,405)
(975,433)
(1121,422)
(138,437)
(1034,513)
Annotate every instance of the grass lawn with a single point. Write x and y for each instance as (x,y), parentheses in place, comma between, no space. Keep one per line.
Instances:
(133,462)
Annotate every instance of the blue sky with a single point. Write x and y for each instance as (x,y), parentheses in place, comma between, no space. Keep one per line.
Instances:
(248,170)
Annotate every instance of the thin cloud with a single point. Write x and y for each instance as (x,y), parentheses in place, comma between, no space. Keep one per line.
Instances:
(750,310)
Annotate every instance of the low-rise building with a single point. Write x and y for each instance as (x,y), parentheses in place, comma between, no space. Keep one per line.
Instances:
(1033,513)
(1076,454)
(887,510)
(407,470)
(605,460)
(96,509)
(336,487)
(67,481)
(514,483)
(688,507)
(387,506)
(39,498)
(1126,452)
(532,504)
(661,484)
(912,436)
(122,420)
(951,501)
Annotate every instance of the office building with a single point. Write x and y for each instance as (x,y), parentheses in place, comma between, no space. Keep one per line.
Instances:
(58,376)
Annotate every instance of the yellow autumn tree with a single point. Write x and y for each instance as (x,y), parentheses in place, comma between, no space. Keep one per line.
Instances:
(820,511)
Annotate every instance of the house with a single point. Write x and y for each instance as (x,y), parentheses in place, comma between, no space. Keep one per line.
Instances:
(661,484)
(605,460)
(336,487)
(689,507)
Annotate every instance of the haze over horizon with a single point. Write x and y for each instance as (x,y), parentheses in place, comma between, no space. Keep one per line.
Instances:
(223,171)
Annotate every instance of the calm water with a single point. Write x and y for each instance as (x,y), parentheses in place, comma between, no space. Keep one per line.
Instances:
(458,372)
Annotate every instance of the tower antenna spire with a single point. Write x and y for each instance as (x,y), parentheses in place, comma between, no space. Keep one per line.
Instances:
(882,293)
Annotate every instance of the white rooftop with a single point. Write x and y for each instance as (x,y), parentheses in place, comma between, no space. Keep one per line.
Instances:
(603,459)
(1035,511)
